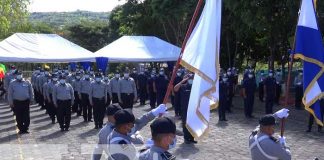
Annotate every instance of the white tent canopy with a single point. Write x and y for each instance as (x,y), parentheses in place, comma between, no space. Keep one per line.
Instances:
(139,49)
(43,48)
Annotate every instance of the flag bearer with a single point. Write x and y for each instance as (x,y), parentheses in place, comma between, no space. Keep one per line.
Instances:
(84,96)
(184,89)
(20,95)
(127,92)
(63,98)
(98,100)
(270,87)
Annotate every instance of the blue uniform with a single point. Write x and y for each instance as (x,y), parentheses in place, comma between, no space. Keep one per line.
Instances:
(249,87)
(223,102)
(184,93)
(270,90)
(150,90)
(161,84)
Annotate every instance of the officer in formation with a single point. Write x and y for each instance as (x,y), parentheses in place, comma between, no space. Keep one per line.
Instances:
(176,105)
(10,76)
(110,125)
(114,87)
(44,92)
(270,87)
(84,96)
(151,91)
(63,99)
(278,86)
(33,82)
(231,82)
(160,86)
(49,96)
(109,93)
(40,81)
(223,97)
(263,145)
(299,91)
(124,136)
(127,92)
(184,90)
(20,95)
(163,131)
(98,99)
(261,86)
(141,85)
(249,87)
(76,84)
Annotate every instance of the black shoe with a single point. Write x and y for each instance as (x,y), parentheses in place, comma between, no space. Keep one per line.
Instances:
(90,120)
(79,114)
(193,141)
(21,132)
(85,121)
(187,142)
(62,129)
(251,116)
(53,121)
(309,130)
(26,132)
(66,129)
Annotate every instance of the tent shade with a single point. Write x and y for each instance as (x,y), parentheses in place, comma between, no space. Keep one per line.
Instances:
(139,49)
(41,48)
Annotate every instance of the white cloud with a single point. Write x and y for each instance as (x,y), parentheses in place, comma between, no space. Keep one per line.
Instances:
(73,5)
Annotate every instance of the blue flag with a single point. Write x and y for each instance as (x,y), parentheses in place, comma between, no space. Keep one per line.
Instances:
(309,48)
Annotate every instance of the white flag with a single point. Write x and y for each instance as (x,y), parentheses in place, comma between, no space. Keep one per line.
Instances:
(201,56)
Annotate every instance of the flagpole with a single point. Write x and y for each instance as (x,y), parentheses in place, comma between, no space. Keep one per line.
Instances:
(290,65)
(189,31)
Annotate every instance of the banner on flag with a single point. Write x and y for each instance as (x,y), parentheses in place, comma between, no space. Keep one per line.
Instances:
(309,48)
(201,56)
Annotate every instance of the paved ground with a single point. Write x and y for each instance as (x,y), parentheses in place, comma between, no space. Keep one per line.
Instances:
(226,140)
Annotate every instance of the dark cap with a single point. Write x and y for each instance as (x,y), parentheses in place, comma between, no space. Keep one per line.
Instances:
(17,72)
(54,75)
(112,109)
(98,75)
(62,76)
(124,116)
(267,120)
(162,125)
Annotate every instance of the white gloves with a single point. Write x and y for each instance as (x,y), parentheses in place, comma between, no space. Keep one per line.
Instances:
(161,109)
(149,143)
(283,113)
(282,141)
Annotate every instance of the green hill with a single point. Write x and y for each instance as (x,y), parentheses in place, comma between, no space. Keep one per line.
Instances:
(61,19)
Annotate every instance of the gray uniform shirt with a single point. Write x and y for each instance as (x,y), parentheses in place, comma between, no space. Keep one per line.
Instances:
(156,153)
(41,80)
(108,88)
(45,90)
(20,90)
(76,84)
(98,90)
(50,88)
(8,78)
(104,133)
(114,85)
(63,92)
(127,86)
(270,147)
(85,86)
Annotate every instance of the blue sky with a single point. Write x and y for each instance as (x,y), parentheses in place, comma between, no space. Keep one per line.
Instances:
(73,5)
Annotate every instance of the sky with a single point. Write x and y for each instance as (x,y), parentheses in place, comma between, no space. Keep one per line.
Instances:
(73,5)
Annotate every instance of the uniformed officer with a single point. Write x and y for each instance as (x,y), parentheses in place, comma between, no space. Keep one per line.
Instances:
(184,90)
(139,124)
(109,93)
(33,82)
(223,97)
(63,98)
(278,87)
(270,87)
(40,80)
(249,87)
(114,87)
(141,84)
(49,97)
(76,84)
(84,96)
(176,105)
(261,86)
(151,91)
(98,99)
(263,145)
(231,82)
(163,131)
(20,95)
(160,86)
(127,92)
(44,92)
(134,75)
(299,91)
(10,76)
